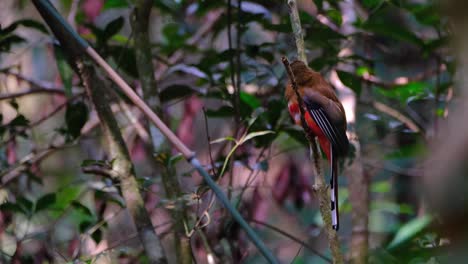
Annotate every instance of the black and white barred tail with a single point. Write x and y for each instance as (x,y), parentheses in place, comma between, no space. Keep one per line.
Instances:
(334,190)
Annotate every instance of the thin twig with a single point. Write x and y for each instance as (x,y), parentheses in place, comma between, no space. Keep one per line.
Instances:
(297,30)
(397,115)
(31,91)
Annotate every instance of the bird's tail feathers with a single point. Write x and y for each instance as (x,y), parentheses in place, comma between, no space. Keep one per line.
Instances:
(334,190)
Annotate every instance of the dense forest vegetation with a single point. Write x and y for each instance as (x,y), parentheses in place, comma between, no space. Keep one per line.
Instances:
(87,177)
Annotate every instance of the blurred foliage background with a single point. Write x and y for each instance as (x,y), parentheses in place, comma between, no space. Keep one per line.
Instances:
(219,84)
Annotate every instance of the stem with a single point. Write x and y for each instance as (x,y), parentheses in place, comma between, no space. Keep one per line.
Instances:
(121,165)
(140,24)
(320,187)
(297,30)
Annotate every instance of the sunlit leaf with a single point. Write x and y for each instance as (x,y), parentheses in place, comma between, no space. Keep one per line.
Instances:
(219,140)
(406,91)
(255,134)
(409,230)
(65,196)
(381,187)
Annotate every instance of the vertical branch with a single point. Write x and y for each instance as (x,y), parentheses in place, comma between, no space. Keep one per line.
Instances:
(140,24)
(238,54)
(122,165)
(320,187)
(297,30)
(235,81)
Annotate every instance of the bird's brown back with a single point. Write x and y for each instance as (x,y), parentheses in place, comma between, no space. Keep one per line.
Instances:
(306,78)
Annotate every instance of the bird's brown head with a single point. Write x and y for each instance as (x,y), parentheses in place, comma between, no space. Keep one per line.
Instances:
(302,73)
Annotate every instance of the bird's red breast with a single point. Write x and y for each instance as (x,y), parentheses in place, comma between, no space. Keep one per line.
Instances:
(295,113)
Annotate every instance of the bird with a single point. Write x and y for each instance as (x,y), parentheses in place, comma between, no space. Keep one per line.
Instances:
(325,119)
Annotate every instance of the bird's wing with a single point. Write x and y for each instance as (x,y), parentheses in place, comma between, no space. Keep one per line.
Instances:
(334,134)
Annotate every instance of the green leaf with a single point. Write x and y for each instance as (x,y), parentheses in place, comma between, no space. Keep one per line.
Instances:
(25,205)
(391,207)
(14,104)
(10,207)
(223,111)
(115,4)
(33,24)
(350,80)
(427,13)
(113,27)
(254,134)
(406,91)
(45,201)
(64,197)
(249,100)
(433,45)
(19,121)
(335,16)
(8,41)
(381,187)
(296,134)
(65,71)
(173,160)
(97,235)
(378,24)
(82,209)
(76,116)
(417,149)
(219,140)
(176,91)
(371,4)
(410,230)
(126,59)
